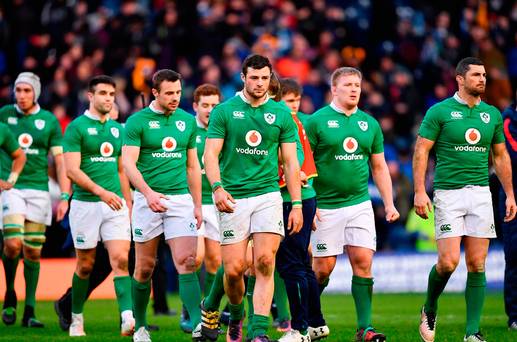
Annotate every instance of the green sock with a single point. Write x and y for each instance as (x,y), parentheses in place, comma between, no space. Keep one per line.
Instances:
(435,287)
(79,291)
(209,280)
(362,293)
(31,274)
(123,291)
(280,296)
(190,294)
(10,266)
(141,293)
(249,297)
(236,311)
(216,293)
(474,297)
(260,325)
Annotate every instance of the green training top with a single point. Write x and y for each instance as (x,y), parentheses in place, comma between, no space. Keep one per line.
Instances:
(36,134)
(164,141)
(252,136)
(342,146)
(100,145)
(462,137)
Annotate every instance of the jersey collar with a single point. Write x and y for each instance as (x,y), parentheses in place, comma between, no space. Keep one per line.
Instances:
(93,116)
(337,109)
(200,124)
(461,101)
(35,111)
(243,98)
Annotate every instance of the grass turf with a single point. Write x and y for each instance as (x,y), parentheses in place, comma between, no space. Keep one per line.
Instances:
(397,315)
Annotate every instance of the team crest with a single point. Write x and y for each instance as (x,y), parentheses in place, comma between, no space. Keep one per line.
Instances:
(363,125)
(180,125)
(115,132)
(269,117)
(485,117)
(40,124)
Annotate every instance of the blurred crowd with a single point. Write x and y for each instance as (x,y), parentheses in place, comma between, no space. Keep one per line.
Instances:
(407,50)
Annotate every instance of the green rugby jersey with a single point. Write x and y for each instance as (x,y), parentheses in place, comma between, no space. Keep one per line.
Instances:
(462,137)
(252,136)
(100,145)
(342,146)
(7,141)
(164,141)
(206,192)
(36,134)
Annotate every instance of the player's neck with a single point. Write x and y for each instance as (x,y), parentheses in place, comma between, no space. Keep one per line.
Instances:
(469,99)
(253,101)
(102,117)
(31,110)
(347,110)
(155,107)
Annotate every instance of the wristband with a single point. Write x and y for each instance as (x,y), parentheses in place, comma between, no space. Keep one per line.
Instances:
(298,202)
(13,177)
(65,196)
(216,186)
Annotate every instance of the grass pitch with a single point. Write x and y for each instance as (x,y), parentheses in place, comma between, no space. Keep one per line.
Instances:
(396,315)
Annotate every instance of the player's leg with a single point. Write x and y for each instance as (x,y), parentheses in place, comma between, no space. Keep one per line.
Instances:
(283,320)
(80,280)
(476,250)
(212,261)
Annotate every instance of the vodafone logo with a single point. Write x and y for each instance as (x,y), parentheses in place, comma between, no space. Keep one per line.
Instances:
(472,136)
(106,149)
(253,138)
(350,145)
(169,144)
(25,140)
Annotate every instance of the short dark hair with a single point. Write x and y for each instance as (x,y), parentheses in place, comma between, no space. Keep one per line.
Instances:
(256,62)
(290,86)
(100,79)
(206,90)
(164,75)
(464,65)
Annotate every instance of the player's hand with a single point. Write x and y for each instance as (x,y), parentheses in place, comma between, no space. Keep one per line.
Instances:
(5,185)
(303,179)
(511,209)
(316,217)
(199,216)
(223,201)
(154,201)
(392,213)
(111,199)
(295,221)
(423,205)
(62,208)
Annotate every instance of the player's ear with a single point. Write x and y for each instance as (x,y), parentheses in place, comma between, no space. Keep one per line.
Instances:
(155,92)
(243,77)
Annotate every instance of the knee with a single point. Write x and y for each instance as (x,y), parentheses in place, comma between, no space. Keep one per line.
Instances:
(144,269)
(234,272)
(212,263)
(84,268)
(33,254)
(120,262)
(476,265)
(12,247)
(446,266)
(322,275)
(265,265)
(187,263)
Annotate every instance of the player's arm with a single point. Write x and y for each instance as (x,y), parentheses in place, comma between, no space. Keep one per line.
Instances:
(292,177)
(222,198)
(124,186)
(63,181)
(503,170)
(74,172)
(130,156)
(381,177)
(19,160)
(194,182)
(422,202)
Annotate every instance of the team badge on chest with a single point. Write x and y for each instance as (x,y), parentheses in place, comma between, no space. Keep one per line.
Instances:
(180,125)
(485,117)
(115,132)
(269,117)
(363,125)
(40,124)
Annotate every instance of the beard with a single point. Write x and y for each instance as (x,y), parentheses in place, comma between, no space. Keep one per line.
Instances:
(475,91)
(255,95)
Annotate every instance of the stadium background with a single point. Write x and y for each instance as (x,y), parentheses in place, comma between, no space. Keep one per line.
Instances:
(407,50)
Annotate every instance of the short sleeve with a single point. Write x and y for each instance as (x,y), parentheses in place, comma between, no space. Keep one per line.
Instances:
(132,132)
(311,130)
(498,129)
(9,143)
(289,130)
(378,139)
(56,137)
(430,127)
(193,135)
(72,140)
(216,125)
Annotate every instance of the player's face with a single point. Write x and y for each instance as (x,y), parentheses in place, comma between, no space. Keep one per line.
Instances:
(168,98)
(24,95)
(204,107)
(256,82)
(347,90)
(474,81)
(102,98)
(292,101)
